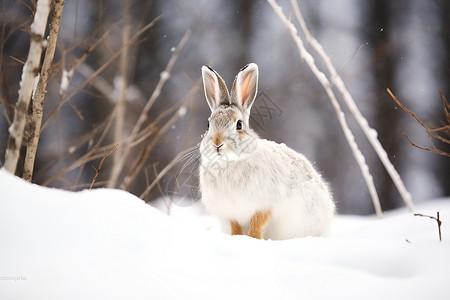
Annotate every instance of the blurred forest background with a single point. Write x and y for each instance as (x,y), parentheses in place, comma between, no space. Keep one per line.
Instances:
(403,45)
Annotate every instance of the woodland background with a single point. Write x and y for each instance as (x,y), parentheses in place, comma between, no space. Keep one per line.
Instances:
(402,45)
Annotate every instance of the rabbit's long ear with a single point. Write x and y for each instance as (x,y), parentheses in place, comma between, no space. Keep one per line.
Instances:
(216,91)
(245,86)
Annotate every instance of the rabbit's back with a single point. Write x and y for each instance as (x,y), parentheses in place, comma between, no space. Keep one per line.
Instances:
(306,208)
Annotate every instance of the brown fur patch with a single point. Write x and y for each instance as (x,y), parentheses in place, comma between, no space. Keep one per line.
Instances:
(236,229)
(259,219)
(217,139)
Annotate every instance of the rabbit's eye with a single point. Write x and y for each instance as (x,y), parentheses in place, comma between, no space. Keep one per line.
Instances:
(239,125)
(208,125)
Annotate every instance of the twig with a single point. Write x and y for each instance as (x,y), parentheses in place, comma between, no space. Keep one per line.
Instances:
(38,99)
(145,153)
(69,75)
(103,67)
(370,133)
(439,222)
(92,154)
(428,130)
(167,200)
(306,56)
(434,150)
(26,85)
(164,171)
(117,169)
(350,58)
(97,170)
(431,132)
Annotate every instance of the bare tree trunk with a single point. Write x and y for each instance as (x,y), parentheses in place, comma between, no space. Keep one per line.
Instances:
(29,72)
(120,111)
(244,28)
(443,166)
(380,18)
(38,99)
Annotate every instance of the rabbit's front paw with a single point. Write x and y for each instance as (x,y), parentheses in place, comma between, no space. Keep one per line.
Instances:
(236,228)
(259,219)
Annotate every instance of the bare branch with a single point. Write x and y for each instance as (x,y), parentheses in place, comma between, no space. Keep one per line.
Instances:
(431,132)
(370,133)
(97,170)
(117,169)
(306,56)
(439,222)
(38,99)
(145,153)
(428,130)
(102,68)
(164,171)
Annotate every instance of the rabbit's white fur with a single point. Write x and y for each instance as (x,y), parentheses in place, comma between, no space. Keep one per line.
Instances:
(241,174)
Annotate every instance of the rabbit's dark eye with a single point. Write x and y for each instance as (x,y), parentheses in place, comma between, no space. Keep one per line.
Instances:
(239,125)
(208,125)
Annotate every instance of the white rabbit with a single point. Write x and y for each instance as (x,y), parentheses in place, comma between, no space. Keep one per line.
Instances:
(255,186)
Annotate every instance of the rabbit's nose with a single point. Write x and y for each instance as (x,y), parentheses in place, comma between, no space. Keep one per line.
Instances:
(217,140)
(218,148)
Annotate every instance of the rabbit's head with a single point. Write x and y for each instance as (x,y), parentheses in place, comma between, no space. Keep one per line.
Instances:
(229,136)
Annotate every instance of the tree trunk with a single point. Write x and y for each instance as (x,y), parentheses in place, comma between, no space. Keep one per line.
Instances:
(29,72)
(378,31)
(38,99)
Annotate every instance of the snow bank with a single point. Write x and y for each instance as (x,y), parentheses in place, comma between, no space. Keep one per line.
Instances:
(108,244)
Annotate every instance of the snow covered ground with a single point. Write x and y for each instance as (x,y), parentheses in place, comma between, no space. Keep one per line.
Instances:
(108,244)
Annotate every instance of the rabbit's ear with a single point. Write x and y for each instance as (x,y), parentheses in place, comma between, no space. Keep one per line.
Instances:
(245,86)
(216,91)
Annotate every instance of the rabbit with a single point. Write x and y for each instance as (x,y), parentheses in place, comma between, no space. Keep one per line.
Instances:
(255,186)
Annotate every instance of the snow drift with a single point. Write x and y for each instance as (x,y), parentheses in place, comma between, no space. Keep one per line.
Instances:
(108,244)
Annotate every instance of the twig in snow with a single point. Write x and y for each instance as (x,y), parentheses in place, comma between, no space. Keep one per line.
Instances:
(38,98)
(29,73)
(97,170)
(306,56)
(439,222)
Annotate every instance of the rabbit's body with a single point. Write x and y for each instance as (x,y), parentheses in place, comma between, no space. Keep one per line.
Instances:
(257,186)
(273,178)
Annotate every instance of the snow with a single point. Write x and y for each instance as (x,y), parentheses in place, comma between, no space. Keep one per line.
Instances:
(40,18)
(65,80)
(36,81)
(108,244)
(182,111)
(164,75)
